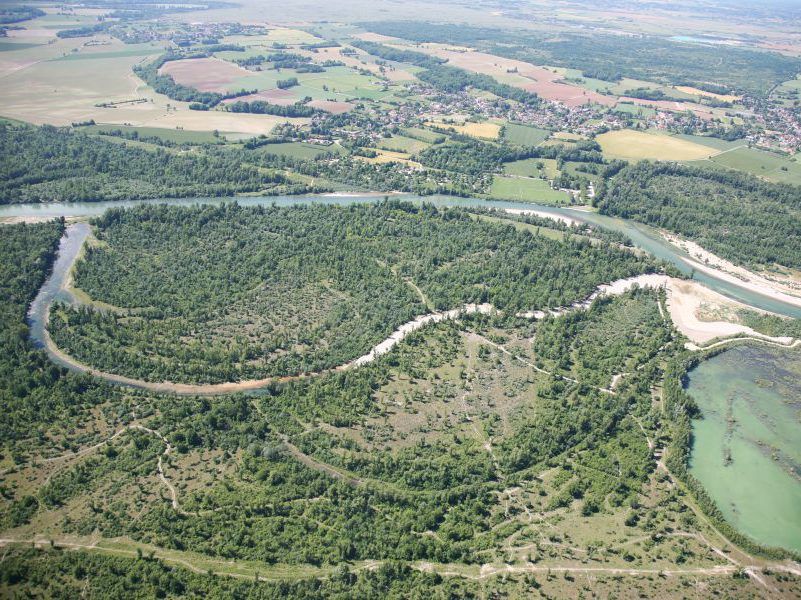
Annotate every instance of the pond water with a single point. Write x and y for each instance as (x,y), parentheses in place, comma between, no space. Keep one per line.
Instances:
(747,447)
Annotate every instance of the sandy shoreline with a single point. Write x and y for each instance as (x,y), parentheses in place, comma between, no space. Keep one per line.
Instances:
(543,214)
(704,261)
(253,384)
(688,302)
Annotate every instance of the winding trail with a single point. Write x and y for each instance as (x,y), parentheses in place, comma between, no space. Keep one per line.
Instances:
(610,390)
(250,570)
(160,468)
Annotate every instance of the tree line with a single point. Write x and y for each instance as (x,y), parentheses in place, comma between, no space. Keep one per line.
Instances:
(734,215)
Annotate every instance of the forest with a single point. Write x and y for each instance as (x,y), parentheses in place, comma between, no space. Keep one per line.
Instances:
(438,485)
(227,397)
(61,574)
(244,491)
(46,164)
(319,269)
(16,14)
(260,107)
(739,217)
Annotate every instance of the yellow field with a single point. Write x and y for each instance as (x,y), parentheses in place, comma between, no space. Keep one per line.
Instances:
(489,131)
(63,82)
(696,92)
(637,145)
(284,35)
(387,156)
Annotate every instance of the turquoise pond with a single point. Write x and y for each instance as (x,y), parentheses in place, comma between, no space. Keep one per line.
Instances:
(747,447)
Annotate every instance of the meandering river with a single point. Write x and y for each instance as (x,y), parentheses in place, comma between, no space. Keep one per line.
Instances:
(746,451)
(642,236)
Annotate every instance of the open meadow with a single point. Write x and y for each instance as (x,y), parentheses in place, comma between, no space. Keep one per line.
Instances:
(638,145)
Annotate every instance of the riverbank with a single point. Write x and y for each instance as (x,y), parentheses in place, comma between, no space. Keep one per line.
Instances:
(787,291)
(687,303)
(645,238)
(703,315)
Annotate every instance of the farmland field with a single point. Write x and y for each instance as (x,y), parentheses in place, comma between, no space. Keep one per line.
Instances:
(528,167)
(526,189)
(712,142)
(634,109)
(206,74)
(299,149)
(523,135)
(425,135)
(636,145)
(479,130)
(761,164)
(403,144)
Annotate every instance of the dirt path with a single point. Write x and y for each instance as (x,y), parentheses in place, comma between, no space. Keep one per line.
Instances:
(480,338)
(248,570)
(161,471)
(317,465)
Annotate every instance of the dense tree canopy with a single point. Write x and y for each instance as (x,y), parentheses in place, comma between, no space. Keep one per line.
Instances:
(737,216)
(192,285)
(46,164)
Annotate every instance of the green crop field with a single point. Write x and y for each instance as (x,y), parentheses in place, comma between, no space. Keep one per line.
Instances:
(524,135)
(401,143)
(178,136)
(528,167)
(712,142)
(299,150)
(425,135)
(525,189)
(138,51)
(762,164)
(634,109)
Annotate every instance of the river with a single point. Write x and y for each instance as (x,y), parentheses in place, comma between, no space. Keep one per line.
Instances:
(744,451)
(642,236)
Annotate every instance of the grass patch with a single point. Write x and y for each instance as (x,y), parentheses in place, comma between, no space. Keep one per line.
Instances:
(526,189)
(711,142)
(11,46)
(299,150)
(524,135)
(401,143)
(424,135)
(628,144)
(773,167)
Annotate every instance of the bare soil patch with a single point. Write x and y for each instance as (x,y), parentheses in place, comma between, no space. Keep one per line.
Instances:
(205,74)
(332,106)
(521,74)
(275,96)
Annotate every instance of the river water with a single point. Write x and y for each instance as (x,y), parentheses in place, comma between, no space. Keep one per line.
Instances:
(642,236)
(745,451)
